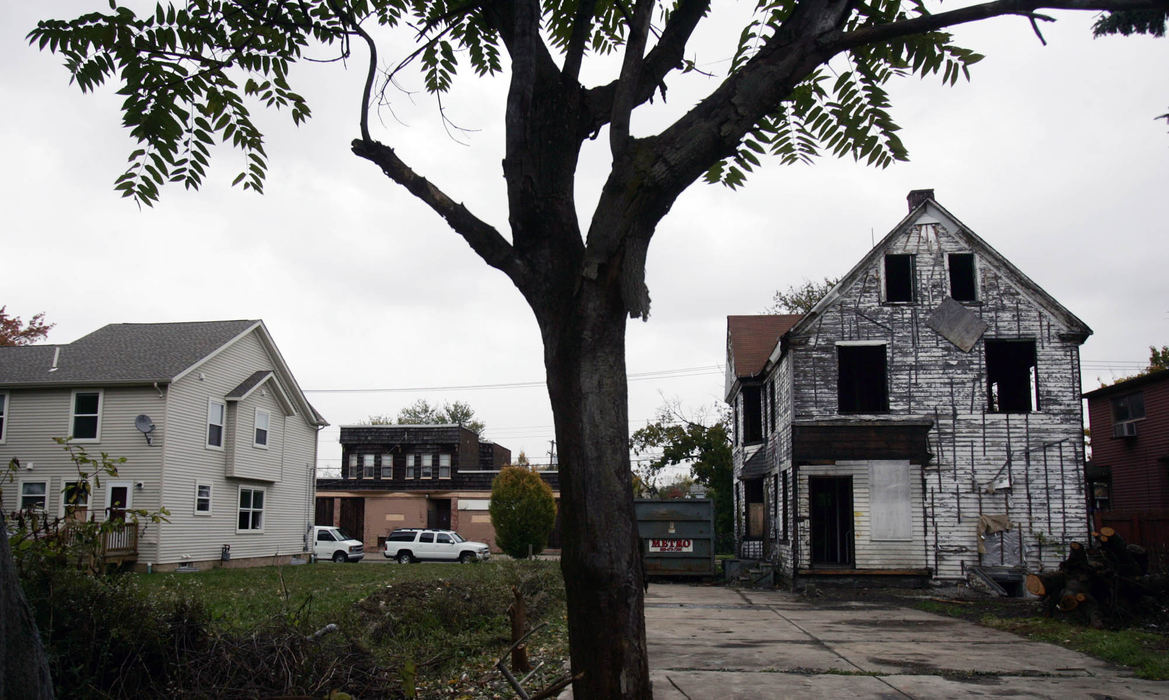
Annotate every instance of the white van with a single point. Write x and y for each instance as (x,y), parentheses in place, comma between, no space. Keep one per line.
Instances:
(334,543)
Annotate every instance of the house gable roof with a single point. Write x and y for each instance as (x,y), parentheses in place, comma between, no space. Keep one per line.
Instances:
(143,353)
(927,210)
(750,340)
(120,353)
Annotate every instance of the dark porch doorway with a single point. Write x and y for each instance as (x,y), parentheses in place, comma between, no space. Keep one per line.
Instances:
(831,520)
(353,517)
(438,514)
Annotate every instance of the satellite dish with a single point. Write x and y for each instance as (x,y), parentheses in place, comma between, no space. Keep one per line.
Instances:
(144,425)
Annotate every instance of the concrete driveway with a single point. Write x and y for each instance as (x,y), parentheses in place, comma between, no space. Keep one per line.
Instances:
(713,642)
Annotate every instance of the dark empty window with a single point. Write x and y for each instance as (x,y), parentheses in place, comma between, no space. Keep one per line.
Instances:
(752,414)
(898,278)
(1126,408)
(1011,378)
(862,384)
(783,505)
(772,414)
(962,287)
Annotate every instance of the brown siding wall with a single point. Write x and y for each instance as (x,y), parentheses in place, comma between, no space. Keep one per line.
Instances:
(1140,474)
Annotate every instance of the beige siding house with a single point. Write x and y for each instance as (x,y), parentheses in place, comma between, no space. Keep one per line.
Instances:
(212,424)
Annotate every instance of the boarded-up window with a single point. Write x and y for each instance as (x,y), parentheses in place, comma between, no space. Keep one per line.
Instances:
(753,491)
(891,515)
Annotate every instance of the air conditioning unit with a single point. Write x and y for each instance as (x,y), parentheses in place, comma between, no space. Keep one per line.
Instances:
(1123,430)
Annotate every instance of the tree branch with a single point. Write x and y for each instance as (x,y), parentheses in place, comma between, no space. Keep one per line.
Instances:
(483,238)
(582,26)
(840,41)
(625,98)
(664,57)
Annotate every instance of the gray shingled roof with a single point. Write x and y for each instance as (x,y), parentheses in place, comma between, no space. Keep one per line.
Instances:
(248,384)
(119,353)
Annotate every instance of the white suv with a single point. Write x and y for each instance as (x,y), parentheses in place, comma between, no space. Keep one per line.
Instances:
(334,543)
(414,544)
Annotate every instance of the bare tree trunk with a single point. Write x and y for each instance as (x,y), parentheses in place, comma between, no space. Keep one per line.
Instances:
(585,358)
(24,668)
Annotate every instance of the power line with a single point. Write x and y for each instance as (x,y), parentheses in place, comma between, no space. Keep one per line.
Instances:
(638,377)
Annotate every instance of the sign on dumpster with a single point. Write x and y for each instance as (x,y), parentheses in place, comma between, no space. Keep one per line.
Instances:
(672,545)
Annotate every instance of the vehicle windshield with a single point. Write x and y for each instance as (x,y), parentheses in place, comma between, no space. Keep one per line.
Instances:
(342,535)
(456,538)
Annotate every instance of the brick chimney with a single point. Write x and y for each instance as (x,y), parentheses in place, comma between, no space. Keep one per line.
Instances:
(916,197)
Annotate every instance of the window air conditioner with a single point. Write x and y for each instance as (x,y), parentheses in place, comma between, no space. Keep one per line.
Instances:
(1122,430)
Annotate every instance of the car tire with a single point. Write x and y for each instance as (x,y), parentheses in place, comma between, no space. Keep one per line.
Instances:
(405,558)
(466,558)
(340,557)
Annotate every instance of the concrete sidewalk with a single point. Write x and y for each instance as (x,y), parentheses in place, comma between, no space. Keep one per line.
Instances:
(713,642)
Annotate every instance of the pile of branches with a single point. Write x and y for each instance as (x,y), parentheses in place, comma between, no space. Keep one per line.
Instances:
(279,659)
(1107,585)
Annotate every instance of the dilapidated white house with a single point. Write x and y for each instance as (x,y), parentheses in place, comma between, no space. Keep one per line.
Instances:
(923,421)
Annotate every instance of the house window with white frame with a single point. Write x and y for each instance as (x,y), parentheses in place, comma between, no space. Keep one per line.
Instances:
(444,466)
(75,500)
(262,423)
(388,465)
(367,466)
(427,467)
(411,461)
(85,420)
(3,414)
(202,499)
(216,418)
(33,495)
(251,509)
(352,466)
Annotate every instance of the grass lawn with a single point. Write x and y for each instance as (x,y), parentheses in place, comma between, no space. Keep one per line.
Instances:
(446,623)
(1146,653)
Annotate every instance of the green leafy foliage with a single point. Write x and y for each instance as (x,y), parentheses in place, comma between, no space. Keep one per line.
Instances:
(676,440)
(523,511)
(421,412)
(801,298)
(847,115)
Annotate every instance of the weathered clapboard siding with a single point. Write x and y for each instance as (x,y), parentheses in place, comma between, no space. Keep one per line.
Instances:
(1027,465)
(189,461)
(35,417)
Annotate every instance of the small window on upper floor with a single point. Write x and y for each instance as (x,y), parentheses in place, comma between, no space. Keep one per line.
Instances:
(3,414)
(963,286)
(752,414)
(387,465)
(216,416)
(85,422)
(899,274)
(862,383)
(1012,380)
(367,466)
(444,466)
(1127,411)
(263,421)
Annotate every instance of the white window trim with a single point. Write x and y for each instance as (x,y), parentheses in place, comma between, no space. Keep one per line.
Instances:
(5,409)
(110,486)
(72,415)
(256,428)
(61,501)
(222,426)
(447,467)
(210,502)
(263,511)
(369,468)
(20,492)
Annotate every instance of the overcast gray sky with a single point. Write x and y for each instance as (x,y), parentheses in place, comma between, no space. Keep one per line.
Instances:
(1052,154)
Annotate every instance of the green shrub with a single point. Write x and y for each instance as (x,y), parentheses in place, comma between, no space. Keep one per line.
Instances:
(522,511)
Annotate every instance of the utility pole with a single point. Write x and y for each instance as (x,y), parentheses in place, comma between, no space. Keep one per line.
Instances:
(552,453)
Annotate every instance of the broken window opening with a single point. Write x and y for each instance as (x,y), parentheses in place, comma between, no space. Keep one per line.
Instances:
(783,518)
(899,275)
(1012,379)
(753,495)
(962,281)
(772,414)
(862,384)
(752,414)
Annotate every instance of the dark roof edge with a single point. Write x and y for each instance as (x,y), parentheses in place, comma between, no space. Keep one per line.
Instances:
(1129,384)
